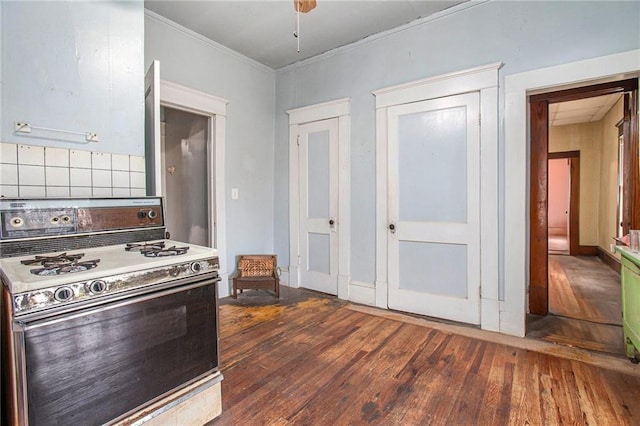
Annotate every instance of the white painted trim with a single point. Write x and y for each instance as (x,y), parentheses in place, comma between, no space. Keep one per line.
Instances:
(340,108)
(344,201)
(483,79)
(294,207)
(175,95)
(361,292)
(323,111)
(489,246)
(469,80)
(343,49)
(517,87)
(382,212)
(199,37)
(186,99)
(220,236)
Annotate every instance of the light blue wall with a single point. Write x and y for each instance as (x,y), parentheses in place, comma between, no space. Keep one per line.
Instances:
(195,62)
(74,66)
(522,35)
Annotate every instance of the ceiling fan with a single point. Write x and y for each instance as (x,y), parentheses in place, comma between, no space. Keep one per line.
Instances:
(301,6)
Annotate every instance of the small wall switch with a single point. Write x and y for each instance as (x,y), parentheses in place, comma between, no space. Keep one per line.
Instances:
(234,193)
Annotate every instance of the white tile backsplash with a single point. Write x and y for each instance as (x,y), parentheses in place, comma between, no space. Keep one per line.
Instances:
(57,176)
(120,179)
(101,178)
(80,177)
(30,175)
(120,162)
(8,174)
(8,153)
(33,155)
(10,191)
(80,159)
(57,191)
(121,192)
(137,163)
(56,157)
(137,180)
(77,191)
(102,192)
(32,191)
(100,160)
(38,171)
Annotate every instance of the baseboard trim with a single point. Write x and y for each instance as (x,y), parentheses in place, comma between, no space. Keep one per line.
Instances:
(610,260)
(588,250)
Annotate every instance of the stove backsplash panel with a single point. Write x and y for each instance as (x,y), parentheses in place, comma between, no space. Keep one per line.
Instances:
(36,171)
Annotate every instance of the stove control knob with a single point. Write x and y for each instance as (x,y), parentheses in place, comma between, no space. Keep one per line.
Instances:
(152,214)
(141,215)
(17,222)
(97,287)
(63,294)
(196,267)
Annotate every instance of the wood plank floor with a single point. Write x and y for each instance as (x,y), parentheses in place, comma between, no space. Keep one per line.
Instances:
(310,359)
(584,304)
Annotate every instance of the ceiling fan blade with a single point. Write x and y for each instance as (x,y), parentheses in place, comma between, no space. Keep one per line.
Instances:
(304,6)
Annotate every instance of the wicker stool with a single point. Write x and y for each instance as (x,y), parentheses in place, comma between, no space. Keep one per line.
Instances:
(256,271)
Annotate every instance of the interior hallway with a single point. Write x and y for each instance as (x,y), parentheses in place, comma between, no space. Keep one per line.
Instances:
(584,306)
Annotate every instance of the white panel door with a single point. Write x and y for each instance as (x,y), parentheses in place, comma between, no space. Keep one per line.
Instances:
(434,208)
(318,168)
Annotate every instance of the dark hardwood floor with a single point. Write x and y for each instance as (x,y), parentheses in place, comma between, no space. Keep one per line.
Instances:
(585,306)
(311,359)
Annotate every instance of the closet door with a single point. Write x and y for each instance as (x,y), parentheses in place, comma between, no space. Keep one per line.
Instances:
(434,207)
(318,166)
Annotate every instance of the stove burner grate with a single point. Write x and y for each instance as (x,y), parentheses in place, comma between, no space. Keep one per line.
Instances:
(65,267)
(157,245)
(62,263)
(171,251)
(51,260)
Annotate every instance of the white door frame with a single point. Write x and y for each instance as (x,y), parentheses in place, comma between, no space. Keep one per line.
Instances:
(518,87)
(484,80)
(175,96)
(340,108)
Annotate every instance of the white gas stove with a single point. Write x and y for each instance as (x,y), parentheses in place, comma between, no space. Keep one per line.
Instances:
(53,280)
(99,305)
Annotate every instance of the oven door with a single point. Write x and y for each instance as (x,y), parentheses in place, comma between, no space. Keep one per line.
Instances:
(93,366)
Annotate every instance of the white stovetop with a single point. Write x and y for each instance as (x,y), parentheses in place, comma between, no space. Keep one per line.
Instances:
(113,260)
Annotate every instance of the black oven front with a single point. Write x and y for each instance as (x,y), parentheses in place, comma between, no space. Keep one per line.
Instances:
(95,365)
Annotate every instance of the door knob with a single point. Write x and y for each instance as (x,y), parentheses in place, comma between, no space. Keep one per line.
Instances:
(331,222)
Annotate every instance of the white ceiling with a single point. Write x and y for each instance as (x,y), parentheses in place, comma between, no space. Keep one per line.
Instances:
(263,30)
(582,110)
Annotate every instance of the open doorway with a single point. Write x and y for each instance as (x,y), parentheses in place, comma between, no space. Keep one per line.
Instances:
(574,290)
(185,142)
(559,194)
(564,202)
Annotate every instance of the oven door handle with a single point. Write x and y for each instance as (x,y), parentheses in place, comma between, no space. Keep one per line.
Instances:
(21,325)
